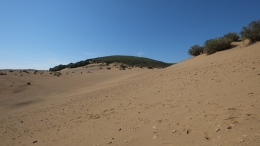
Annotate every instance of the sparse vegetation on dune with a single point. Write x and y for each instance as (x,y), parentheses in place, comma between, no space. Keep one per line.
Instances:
(252,31)
(127,61)
(233,36)
(219,44)
(211,46)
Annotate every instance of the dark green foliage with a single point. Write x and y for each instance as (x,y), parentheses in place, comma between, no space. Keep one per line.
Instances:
(252,31)
(233,36)
(130,61)
(214,45)
(57,68)
(195,50)
(70,65)
(78,64)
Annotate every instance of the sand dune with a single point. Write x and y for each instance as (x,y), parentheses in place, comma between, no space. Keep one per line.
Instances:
(205,100)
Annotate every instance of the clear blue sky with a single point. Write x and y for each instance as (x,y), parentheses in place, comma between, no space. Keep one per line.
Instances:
(40,34)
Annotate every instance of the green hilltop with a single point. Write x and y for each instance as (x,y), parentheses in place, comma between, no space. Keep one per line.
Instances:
(130,61)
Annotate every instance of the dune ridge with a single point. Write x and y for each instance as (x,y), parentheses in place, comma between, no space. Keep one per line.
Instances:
(205,100)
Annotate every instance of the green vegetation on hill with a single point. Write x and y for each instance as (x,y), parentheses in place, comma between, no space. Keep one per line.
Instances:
(232,36)
(130,61)
(218,44)
(252,31)
(211,46)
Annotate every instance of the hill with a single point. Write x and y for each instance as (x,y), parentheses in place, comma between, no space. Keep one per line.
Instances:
(205,100)
(126,61)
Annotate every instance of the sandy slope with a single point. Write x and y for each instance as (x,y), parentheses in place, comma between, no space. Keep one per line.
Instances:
(206,100)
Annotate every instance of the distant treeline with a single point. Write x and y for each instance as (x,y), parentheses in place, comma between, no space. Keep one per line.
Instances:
(130,61)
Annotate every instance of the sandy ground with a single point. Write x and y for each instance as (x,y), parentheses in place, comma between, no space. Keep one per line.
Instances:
(205,100)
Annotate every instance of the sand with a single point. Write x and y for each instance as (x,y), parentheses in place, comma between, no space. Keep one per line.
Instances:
(205,100)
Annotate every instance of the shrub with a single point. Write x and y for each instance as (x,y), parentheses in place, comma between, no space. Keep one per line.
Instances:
(195,50)
(2,73)
(122,67)
(252,31)
(57,74)
(214,45)
(233,36)
(25,71)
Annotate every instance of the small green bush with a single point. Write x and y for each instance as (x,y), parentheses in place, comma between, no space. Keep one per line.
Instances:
(233,36)
(252,31)
(214,45)
(195,50)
